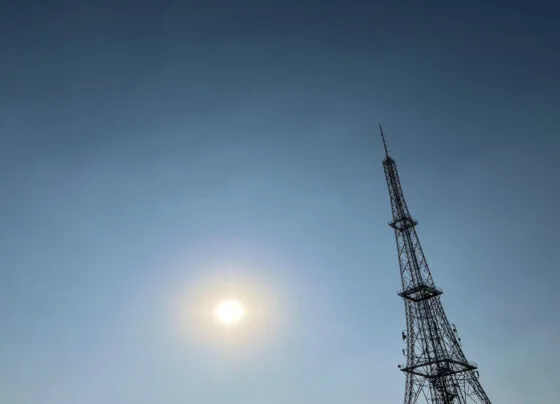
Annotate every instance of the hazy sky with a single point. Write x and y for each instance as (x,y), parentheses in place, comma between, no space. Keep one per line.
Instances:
(154,150)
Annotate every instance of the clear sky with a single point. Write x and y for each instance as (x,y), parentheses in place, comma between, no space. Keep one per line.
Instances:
(151,151)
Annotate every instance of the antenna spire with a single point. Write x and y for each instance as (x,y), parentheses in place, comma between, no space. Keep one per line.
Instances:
(384,142)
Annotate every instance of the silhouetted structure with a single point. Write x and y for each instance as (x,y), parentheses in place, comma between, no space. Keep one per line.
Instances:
(436,369)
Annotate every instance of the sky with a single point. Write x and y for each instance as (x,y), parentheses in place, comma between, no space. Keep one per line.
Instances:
(155,154)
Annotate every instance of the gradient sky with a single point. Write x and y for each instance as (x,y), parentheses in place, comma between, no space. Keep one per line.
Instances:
(154,148)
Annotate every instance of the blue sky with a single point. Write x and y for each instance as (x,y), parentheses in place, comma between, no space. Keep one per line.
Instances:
(151,151)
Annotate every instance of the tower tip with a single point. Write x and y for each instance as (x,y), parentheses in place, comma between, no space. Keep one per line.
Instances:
(384,141)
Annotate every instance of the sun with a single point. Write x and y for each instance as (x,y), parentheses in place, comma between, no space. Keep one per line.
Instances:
(229,312)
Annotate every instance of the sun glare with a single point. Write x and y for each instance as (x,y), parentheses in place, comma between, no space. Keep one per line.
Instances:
(229,312)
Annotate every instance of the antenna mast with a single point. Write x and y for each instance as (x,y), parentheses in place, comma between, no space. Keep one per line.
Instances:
(437,371)
(384,142)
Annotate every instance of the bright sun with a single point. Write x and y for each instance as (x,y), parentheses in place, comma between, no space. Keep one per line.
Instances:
(229,312)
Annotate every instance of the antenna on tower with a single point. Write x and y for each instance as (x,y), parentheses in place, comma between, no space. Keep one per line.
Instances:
(384,142)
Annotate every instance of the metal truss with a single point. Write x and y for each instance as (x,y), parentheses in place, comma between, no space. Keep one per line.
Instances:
(436,368)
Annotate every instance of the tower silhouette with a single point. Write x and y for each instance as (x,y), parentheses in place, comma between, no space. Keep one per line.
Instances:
(436,368)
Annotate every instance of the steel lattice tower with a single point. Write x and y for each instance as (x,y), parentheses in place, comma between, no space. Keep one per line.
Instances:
(436,369)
